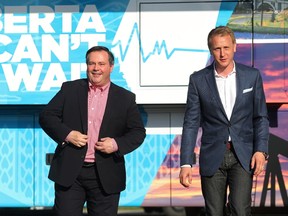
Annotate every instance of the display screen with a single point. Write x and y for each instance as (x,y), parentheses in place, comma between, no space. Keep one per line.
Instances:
(157,45)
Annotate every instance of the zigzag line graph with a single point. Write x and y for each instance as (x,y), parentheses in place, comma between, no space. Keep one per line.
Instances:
(159,47)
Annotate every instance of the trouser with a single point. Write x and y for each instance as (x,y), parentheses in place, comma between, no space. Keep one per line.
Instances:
(87,188)
(214,188)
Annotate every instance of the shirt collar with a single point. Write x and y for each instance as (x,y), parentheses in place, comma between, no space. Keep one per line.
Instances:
(217,75)
(102,88)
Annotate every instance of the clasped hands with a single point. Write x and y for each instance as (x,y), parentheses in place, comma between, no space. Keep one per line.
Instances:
(78,139)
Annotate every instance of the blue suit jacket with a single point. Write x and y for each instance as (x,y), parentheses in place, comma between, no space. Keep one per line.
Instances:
(68,110)
(248,125)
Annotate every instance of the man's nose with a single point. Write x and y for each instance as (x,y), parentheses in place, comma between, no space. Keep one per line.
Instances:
(222,52)
(95,67)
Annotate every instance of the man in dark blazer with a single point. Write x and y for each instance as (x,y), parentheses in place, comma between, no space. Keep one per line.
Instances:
(227,100)
(95,123)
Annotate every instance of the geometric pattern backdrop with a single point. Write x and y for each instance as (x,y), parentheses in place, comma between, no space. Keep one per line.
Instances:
(23,175)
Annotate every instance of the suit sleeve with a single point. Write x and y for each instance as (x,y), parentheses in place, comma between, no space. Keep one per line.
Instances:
(51,118)
(134,132)
(191,124)
(260,118)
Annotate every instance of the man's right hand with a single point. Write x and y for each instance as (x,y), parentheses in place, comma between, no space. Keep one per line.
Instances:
(185,176)
(76,138)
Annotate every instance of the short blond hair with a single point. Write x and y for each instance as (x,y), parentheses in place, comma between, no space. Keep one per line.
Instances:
(220,30)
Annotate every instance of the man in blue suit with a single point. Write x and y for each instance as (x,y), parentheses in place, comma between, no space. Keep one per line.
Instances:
(227,100)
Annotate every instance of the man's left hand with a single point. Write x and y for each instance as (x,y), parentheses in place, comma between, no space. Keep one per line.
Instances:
(105,145)
(258,163)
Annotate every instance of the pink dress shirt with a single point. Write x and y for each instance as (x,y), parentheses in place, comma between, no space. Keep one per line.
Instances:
(97,100)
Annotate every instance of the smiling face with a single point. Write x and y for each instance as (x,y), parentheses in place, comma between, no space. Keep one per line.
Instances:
(99,68)
(222,49)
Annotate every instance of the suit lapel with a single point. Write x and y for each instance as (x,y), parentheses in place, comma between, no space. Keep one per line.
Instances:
(83,104)
(210,77)
(108,109)
(240,80)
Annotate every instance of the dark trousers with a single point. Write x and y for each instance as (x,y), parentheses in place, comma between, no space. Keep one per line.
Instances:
(214,188)
(87,188)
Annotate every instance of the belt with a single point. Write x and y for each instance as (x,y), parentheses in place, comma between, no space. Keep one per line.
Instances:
(229,145)
(88,164)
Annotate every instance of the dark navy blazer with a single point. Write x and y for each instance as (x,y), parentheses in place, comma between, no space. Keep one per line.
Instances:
(248,126)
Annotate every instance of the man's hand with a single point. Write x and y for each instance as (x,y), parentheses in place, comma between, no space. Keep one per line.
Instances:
(185,176)
(105,145)
(76,138)
(258,163)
